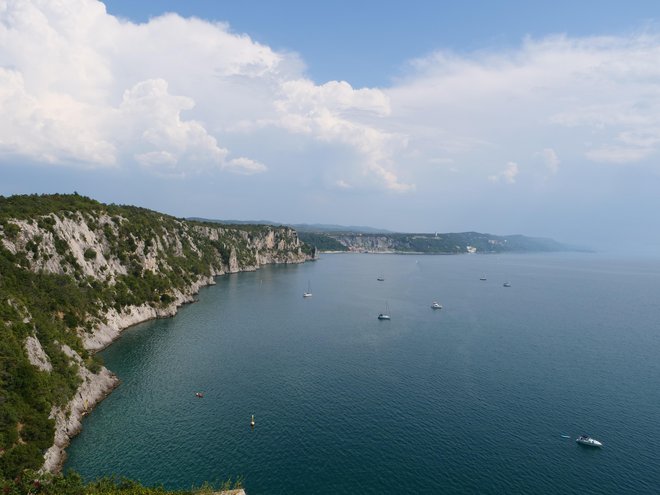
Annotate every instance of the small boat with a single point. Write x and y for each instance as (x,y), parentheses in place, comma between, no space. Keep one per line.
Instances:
(381,279)
(588,441)
(199,395)
(252,421)
(386,314)
(506,284)
(483,277)
(436,305)
(308,292)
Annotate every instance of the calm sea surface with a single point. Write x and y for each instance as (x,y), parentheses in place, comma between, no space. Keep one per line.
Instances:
(473,398)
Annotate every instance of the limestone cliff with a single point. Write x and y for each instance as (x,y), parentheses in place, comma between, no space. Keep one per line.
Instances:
(437,243)
(74,273)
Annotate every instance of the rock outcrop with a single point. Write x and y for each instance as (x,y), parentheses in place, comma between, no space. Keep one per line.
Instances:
(68,420)
(36,354)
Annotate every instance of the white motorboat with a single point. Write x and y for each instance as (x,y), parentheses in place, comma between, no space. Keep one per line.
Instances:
(436,305)
(588,441)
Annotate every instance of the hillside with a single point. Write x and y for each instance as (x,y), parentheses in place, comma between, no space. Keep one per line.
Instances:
(452,243)
(74,273)
(303,227)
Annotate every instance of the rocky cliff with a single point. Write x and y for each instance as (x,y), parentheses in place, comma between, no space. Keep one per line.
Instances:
(450,243)
(73,274)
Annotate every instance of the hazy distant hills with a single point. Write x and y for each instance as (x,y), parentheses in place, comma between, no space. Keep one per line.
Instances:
(326,237)
(449,243)
(303,227)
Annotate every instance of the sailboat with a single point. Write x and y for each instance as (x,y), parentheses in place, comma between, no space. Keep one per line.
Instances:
(308,292)
(386,314)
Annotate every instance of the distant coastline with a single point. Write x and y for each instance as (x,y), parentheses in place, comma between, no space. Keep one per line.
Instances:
(450,243)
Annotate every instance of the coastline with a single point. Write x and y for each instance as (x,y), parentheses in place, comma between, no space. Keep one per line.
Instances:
(97,386)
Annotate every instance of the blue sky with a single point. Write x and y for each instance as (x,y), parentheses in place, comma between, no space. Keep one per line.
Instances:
(368,42)
(541,118)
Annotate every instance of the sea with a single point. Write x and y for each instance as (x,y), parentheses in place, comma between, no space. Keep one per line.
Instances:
(484,396)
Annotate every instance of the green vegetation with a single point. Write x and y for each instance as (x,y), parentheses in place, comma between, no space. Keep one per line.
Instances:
(65,262)
(30,483)
(452,243)
(322,242)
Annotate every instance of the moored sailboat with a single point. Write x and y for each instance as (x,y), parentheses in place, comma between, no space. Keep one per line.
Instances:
(385,315)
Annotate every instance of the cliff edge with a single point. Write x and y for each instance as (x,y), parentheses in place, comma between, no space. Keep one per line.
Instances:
(73,274)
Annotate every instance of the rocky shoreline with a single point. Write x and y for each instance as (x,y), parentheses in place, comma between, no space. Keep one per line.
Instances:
(97,386)
(123,265)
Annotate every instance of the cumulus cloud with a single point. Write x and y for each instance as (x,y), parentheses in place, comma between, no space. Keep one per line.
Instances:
(331,112)
(79,86)
(180,97)
(149,123)
(52,128)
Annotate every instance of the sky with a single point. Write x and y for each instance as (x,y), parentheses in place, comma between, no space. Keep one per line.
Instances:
(511,117)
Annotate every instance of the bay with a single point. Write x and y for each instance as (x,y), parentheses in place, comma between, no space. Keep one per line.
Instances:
(472,398)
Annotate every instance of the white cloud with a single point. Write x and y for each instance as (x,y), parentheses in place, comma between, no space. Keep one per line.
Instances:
(88,88)
(81,87)
(186,97)
(157,158)
(50,129)
(507,175)
(149,123)
(618,154)
(648,137)
(332,113)
(578,91)
(550,159)
(342,184)
(245,166)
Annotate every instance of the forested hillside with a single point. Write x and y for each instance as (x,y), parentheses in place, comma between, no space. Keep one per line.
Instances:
(73,273)
(450,243)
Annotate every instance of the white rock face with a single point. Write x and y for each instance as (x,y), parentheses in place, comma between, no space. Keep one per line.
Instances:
(79,239)
(87,243)
(93,389)
(116,321)
(36,354)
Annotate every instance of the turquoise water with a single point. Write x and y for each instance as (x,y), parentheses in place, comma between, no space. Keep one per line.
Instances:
(473,398)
